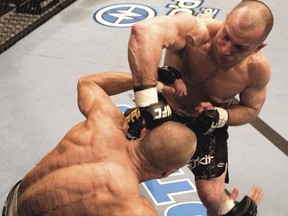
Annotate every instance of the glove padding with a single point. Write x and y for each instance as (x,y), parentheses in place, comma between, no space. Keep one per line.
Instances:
(168,75)
(246,207)
(146,98)
(209,120)
(155,114)
(135,122)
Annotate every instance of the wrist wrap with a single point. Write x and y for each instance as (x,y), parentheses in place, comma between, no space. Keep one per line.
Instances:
(144,96)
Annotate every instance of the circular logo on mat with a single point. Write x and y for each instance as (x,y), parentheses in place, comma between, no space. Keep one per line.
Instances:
(123,15)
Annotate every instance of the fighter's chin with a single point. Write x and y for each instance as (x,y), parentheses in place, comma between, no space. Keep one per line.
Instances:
(224,60)
(220,58)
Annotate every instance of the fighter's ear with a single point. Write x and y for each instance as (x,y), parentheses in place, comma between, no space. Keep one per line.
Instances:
(262,45)
(143,132)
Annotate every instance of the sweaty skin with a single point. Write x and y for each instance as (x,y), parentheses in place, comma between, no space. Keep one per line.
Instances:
(215,60)
(218,61)
(95,170)
(89,171)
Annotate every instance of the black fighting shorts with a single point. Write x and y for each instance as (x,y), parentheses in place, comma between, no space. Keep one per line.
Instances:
(10,205)
(211,155)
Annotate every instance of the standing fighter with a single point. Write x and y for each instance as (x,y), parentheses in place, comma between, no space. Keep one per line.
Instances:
(95,169)
(208,62)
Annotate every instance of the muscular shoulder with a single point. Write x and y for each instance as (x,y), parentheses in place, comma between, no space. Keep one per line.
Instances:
(197,29)
(189,28)
(259,69)
(107,117)
(212,25)
(200,30)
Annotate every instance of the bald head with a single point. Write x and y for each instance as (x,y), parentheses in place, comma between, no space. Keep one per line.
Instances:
(168,146)
(253,15)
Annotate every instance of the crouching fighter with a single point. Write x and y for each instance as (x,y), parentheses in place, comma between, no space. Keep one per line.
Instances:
(95,169)
(169,82)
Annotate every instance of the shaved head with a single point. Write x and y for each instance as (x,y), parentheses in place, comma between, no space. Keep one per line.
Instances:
(253,15)
(170,145)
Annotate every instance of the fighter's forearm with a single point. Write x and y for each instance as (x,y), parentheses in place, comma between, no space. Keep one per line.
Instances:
(239,115)
(144,54)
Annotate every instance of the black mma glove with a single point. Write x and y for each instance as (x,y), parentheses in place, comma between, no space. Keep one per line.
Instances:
(146,98)
(153,112)
(209,120)
(246,207)
(135,123)
(167,76)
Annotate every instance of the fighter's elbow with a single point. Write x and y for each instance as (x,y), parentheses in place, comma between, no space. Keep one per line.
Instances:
(253,115)
(139,29)
(87,80)
(81,81)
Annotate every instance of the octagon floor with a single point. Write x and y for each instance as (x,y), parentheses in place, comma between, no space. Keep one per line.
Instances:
(38,102)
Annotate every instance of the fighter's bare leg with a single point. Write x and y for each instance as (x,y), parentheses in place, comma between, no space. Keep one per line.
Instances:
(212,193)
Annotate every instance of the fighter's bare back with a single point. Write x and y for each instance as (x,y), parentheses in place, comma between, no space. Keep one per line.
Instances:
(84,175)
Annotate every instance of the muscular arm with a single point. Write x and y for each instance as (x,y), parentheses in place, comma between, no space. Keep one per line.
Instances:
(246,110)
(253,97)
(97,87)
(149,37)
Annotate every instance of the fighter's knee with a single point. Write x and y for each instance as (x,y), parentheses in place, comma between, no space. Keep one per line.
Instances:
(211,200)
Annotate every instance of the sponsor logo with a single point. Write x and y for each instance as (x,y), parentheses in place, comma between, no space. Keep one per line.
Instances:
(193,7)
(123,15)
(206,160)
(163,113)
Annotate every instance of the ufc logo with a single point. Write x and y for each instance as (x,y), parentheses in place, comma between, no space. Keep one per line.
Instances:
(162,113)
